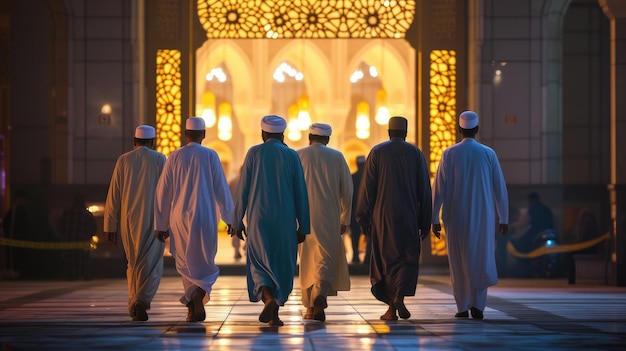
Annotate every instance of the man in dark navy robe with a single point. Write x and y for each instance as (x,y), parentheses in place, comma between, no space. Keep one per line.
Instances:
(394,208)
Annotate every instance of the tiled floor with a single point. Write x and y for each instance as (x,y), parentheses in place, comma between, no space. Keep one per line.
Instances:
(521,315)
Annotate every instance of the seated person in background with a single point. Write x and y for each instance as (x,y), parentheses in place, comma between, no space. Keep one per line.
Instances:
(540,219)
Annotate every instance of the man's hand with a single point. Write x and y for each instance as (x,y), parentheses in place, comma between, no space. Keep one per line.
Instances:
(301,237)
(240,233)
(504,228)
(437,230)
(229,230)
(161,235)
(423,234)
(112,237)
(343,229)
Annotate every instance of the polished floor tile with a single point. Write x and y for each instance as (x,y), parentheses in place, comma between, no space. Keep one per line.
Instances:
(521,315)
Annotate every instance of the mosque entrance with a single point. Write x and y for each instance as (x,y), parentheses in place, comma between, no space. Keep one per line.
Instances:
(352,65)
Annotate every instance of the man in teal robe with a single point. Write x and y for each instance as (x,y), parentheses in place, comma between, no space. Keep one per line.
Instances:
(272,195)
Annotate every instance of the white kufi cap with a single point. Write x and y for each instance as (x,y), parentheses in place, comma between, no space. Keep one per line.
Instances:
(321,129)
(145,132)
(468,120)
(195,123)
(273,124)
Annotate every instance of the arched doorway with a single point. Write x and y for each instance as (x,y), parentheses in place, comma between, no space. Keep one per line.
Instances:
(251,40)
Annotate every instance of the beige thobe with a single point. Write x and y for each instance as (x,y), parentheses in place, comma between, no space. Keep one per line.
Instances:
(323,264)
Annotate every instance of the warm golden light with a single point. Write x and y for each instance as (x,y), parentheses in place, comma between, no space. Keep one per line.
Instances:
(443,112)
(106,109)
(305,19)
(285,70)
(382,111)
(168,100)
(293,130)
(442,104)
(208,109)
(95,209)
(362,120)
(293,126)
(208,115)
(292,112)
(93,244)
(225,123)
(304,117)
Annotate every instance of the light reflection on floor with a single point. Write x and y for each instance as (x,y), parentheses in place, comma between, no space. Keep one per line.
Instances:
(528,315)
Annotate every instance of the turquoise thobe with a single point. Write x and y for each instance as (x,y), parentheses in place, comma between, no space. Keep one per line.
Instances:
(272,195)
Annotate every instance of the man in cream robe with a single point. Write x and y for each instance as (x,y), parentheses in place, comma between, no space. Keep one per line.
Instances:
(469,189)
(323,265)
(192,186)
(129,209)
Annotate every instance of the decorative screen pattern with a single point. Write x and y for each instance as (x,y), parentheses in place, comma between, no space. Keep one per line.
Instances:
(280,19)
(168,100)
(442,104)
(442,117)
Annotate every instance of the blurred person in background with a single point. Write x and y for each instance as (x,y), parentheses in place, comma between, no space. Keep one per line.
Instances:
(77,224)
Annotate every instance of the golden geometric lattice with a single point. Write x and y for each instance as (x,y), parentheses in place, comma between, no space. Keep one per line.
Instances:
(442,104)
(168,100)
(442,117)
(280,19)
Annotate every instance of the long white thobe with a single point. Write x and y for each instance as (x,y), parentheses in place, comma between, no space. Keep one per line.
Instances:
(329,185)
(191,186)
(129,210)
(469,189)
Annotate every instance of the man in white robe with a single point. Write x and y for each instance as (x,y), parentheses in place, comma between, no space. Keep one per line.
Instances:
(469,189)
(129,209)
(192,186)
(323,264)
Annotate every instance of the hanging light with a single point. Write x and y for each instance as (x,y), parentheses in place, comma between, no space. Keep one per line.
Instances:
(225,123)
(362,120)
(382,111)
(293,126)
(294,132)
(208,109)
(304,118)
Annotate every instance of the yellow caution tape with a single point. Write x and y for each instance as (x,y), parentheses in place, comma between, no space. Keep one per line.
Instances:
(67,245)
(546,250)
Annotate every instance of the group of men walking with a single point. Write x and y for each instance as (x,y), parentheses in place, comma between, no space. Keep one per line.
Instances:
(289,203)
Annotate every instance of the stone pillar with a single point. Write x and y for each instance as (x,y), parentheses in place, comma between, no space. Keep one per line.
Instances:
(615,10)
